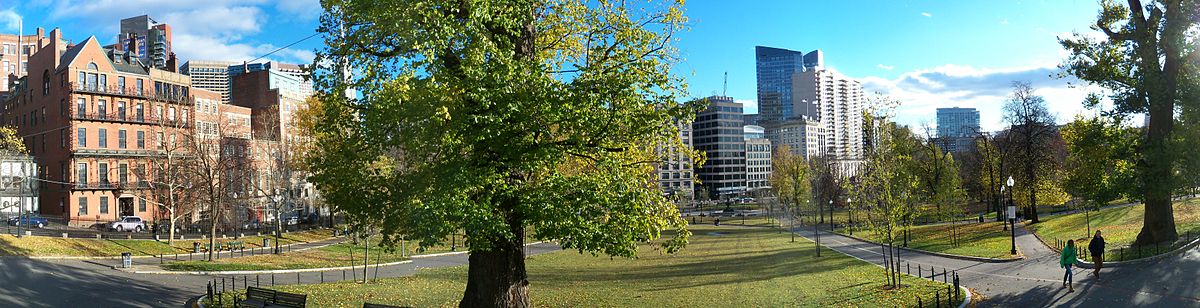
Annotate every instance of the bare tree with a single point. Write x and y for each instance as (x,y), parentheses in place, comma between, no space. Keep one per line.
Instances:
(278,175)
(1031,126)
(220,166)
(165,175)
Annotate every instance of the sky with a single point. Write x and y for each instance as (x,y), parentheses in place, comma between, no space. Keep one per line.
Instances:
(927,54)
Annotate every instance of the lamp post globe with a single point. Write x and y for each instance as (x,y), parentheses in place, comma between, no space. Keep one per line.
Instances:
(1012,219)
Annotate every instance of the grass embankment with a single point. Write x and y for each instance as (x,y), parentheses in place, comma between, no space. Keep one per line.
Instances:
(336,255)
(1119,226)
(43,246)
(721,267)
(987,240)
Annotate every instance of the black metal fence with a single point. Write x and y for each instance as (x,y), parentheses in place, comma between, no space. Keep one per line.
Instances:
(1127,252)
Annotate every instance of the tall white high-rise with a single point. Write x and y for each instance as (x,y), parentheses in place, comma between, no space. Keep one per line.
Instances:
(838,102)
(209,75)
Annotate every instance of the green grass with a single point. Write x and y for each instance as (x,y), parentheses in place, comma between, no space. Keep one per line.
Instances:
(721,267)
(336,255)
(1119,226)
(44,246)
(987,240)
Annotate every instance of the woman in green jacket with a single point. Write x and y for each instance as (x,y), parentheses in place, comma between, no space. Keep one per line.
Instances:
(1065,261)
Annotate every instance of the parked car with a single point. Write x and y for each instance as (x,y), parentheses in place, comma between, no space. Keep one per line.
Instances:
(29,220)
(254,224)
(128,223)
(291,221)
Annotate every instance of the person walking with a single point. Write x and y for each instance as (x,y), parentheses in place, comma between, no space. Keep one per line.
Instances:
(1066,260)
(1096,247)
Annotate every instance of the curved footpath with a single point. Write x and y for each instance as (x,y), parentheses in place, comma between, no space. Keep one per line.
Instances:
(93,283)
(1036,281)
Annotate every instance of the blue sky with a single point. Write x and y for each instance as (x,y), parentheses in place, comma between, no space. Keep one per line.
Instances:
(928,54)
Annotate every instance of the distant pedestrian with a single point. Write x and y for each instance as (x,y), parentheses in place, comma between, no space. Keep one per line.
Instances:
(1066,260)
(1096,247)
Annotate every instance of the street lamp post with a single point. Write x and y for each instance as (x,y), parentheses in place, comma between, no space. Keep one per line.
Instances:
(1000,204)
(850,216)
(278,223)
(1012,211)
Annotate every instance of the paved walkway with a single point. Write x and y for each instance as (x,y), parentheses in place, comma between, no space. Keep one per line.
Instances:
(93,283)
(1036,281)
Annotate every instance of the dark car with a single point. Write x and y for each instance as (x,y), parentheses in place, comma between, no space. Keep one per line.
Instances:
(29,220)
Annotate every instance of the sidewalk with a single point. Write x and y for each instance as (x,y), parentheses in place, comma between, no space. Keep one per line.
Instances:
(1036,280)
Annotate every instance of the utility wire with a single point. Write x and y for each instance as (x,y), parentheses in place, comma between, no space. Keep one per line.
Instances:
(284,47)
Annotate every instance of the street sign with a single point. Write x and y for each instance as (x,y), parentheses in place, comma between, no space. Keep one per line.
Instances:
(1012,212)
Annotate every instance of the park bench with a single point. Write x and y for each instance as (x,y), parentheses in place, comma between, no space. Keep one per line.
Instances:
(235,245)
(260,298)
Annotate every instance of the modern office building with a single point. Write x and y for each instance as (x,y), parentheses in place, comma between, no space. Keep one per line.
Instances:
(96,118)
(209,75)
(149,40)
(718,132)
(758,158)
(14,56)
(957,128)
(803,137)
(795,88)
(675,171)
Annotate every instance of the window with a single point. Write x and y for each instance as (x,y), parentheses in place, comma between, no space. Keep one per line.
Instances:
(103,82)
(81,107)
(103,205)
(102,109)
(82,136)
(121,139)
(92,66)
(91,81)
(103,137)
(123,173)
(140,113)
(141,139)
(121,84)
(171,114)
(121,110)
(141,204)
(62,135)
(158,113)
(139,86)
(161,141)
(83,206)
(81,174)
(46,83)
(185,115)
(102,171)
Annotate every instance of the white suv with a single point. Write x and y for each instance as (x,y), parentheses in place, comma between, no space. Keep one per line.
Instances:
(128,223)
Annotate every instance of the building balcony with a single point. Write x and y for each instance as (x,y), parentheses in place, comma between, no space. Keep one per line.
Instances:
(117,118)
(85,88)
(108,185)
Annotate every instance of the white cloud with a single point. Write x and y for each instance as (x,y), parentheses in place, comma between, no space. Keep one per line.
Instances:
(885,67)
(9,19)
(1004,21)
(202,30)
(749,106)
(926,14)
(923,91)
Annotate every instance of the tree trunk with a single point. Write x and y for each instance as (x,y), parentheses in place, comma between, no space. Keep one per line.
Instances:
(497,278)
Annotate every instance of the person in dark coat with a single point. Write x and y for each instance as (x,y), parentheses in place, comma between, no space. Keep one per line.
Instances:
(1096,247)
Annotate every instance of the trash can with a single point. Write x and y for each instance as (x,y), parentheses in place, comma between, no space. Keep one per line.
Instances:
(266,242)
(126,260)
(717,222)
(195,247)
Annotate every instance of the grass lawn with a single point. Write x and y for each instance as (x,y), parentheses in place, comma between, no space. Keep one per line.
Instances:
(329,256)
(721,267)
(74,247)
(988,239)
(1120,227)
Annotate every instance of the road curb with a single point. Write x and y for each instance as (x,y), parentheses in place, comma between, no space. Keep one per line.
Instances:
(946,255)
(139,256)
(1181,249)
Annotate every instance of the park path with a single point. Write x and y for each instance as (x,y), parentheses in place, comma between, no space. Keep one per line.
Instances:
(93,283)
(1036,280)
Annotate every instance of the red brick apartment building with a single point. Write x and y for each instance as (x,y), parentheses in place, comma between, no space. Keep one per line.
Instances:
(95,120)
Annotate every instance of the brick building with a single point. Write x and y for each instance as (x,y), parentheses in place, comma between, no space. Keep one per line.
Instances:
(14,56)
(97,120)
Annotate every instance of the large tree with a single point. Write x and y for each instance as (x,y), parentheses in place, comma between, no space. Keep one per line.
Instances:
(792,182)
(1149,62)
(494,116)
(1097,169)
(1031,129)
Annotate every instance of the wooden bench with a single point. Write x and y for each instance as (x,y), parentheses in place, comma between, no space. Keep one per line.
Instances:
(260,298)
(257,297)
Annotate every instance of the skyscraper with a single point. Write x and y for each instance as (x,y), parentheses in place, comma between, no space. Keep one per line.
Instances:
(209,75)
(775,69)
(956,127)
(718,132)
(796,90)
(149,40)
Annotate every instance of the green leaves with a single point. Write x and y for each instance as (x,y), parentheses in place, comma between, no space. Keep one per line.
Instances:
(491,116)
